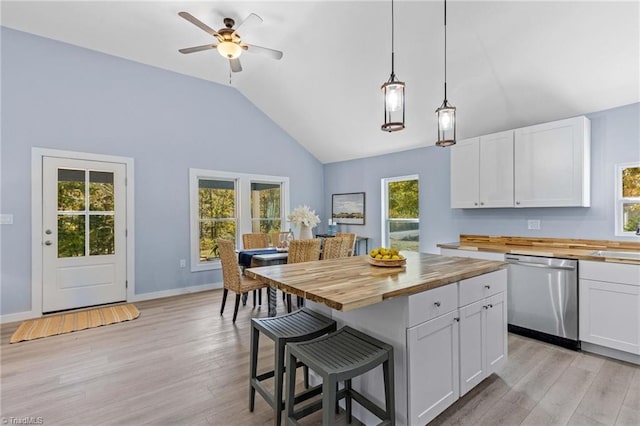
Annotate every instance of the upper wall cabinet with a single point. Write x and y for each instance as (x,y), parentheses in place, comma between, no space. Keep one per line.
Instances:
(552,164)
(482,171)
(546,165)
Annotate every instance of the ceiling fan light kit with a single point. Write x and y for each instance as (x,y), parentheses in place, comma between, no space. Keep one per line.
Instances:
(230,45)
(393,92)
(446,113)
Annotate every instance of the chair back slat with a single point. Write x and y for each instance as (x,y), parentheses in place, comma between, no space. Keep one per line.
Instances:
(351,236)
(254,241)
(335,247)
(230,267)
(304,250)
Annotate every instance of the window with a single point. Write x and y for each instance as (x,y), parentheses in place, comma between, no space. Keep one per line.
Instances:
(627,199)
(227,205)
(401,213)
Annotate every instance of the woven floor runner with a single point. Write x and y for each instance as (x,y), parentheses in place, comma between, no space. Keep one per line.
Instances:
(75,321)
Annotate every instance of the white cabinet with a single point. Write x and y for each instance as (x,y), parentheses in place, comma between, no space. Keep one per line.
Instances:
(482,171)
(610,305)
(433,365)
(552,164)
(483,328)
(547,165)
(449,354)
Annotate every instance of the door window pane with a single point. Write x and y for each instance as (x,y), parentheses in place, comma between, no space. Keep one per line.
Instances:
(101,235)
(631,182)
(403,214)
(217,214)
(265,207)
(71,190)
(101,191)
(71,235)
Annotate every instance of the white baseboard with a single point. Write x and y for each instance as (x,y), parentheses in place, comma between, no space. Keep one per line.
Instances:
(611,353)
(22,316)
(174,292)
(18,316)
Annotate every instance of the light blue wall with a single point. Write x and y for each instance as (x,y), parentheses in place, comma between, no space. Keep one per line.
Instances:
(59,96)
(615,138)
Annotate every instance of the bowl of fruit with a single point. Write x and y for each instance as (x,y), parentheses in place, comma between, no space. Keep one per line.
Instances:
(388,257)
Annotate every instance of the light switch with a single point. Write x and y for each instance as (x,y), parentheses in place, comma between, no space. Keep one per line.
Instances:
(6,219)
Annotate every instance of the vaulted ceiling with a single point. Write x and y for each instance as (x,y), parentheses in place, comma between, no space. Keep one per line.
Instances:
(510,63)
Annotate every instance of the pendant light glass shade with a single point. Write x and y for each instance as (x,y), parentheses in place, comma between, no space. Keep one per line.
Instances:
(447,112)
(393,91)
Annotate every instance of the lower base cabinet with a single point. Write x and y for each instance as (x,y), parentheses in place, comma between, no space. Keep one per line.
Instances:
(449,355)
(610,305)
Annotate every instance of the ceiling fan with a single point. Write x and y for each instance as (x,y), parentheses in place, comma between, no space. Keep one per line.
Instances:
(230,43)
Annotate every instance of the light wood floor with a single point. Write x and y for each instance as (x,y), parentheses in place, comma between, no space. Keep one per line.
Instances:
(181,363)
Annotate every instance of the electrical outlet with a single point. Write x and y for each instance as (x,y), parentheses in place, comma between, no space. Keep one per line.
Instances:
(533,224)
(183,263)
(6,219)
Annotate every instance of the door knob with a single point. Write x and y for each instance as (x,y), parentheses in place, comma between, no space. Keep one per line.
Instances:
(47,243)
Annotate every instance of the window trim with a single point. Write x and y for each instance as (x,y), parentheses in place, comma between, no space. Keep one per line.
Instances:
(243,208)
(620,200)
(384,206)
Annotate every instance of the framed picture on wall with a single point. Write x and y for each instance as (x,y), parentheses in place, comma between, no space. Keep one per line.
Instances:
(348,209)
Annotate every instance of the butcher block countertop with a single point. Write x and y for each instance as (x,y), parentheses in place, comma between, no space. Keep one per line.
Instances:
(548,247)
(351,282)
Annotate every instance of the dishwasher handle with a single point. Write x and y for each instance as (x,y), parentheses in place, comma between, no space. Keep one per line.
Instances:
(540,265)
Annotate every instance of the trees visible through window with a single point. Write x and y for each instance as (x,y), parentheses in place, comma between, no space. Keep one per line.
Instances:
(227,205)
(628,199)
(401,225)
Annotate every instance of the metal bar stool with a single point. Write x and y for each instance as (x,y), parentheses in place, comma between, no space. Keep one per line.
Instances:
(340,356)
(297,326)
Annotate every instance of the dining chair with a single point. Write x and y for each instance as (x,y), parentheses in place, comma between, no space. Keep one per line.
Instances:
(351,236)
(255,241)
(335,247)
(232,278)
(302,251)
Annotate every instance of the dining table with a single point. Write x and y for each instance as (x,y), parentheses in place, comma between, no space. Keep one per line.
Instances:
(264,257)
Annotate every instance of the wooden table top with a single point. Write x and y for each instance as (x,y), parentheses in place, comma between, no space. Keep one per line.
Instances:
(351,282)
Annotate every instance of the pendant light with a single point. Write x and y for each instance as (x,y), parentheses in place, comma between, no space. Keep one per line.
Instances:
(447,112)
(393,91)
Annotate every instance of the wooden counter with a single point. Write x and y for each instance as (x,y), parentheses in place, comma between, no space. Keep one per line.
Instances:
(548,247)
(351,282)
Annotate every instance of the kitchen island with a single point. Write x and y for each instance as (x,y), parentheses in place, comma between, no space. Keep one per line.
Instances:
(445,317)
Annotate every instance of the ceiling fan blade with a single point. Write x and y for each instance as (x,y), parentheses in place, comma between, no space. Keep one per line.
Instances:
(272,53)
(198,48)
(248,24)
(235,65)
(198,23)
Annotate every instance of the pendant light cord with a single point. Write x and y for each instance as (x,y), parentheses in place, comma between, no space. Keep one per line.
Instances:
(445,51)
(393,74)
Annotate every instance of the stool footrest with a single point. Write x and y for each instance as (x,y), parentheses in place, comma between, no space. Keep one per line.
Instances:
(269,374)
(367,403)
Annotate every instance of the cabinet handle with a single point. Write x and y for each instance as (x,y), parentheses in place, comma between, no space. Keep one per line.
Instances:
(47,243)
(485,307)
(475,204)
(456,319)
(437,304)
(518,202)
(481,203)
(490,305)
(488,287)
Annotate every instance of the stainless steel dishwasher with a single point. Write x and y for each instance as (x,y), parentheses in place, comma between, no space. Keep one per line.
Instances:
(543,298)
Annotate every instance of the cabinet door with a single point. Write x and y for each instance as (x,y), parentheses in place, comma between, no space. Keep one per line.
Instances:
(465,168)
(496,170)
(552,164)
(610,315)
(433,375)
(472,356)
(496,333)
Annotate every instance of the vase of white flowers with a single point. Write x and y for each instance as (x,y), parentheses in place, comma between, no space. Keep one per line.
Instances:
(304,218)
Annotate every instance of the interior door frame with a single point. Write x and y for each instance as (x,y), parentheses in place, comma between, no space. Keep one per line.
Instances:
(37,157)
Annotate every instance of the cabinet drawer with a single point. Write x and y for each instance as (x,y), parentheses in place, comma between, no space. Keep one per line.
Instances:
(610,272)
(487,255)
(432,303)
(476,288)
